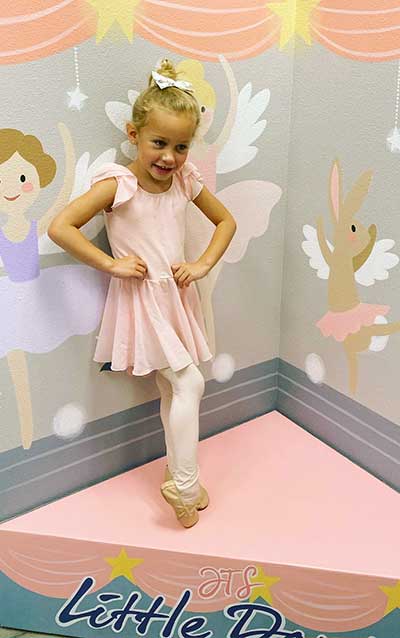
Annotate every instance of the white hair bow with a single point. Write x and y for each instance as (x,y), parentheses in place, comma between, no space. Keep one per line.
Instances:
(164,82)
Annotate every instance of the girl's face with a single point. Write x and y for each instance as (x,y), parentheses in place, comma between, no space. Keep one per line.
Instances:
(19,185)
(163,143)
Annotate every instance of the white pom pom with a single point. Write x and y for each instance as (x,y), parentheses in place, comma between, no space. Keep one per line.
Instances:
(379,343)
(69,421)
(223,368)
(315,368)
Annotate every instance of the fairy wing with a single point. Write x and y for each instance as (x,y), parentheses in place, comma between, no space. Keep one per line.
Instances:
(238,150)
(83,173)
(311,248)
(119,113)
(252,219)
(378,264)
(252,214)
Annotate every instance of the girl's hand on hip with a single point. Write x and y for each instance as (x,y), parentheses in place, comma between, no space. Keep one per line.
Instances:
(129,266)
(185,273)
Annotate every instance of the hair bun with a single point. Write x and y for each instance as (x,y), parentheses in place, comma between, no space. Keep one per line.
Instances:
(166,68)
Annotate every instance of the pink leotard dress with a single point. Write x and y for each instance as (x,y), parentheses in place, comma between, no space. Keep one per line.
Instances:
(152,323)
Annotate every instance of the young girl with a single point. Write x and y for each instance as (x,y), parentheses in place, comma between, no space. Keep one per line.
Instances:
(152,318)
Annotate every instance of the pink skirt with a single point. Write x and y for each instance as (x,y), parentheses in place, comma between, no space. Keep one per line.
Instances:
(340,324)
(151,324)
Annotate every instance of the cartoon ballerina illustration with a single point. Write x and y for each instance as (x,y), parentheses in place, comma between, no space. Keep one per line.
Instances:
(40,308)
(355,257)
(232,150)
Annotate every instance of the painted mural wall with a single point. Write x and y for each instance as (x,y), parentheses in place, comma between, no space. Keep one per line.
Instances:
(300,110)
(69,74)
(340,311)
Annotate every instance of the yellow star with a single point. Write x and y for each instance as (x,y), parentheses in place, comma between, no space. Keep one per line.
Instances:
(110,11)
(122,565)
(393,594)
(262,591)
(296,17)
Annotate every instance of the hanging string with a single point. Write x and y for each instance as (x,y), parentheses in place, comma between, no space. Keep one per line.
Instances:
(76,67)
(393,139)
(396,121)
(76,97)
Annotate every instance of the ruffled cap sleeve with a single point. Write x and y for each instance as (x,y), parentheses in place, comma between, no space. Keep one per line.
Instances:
(191,180)
(126,182)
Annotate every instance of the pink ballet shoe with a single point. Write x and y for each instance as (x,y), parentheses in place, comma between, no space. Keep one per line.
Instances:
(186,514)
(204,499)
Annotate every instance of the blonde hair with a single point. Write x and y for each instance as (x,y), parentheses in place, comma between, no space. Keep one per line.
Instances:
(29,147)
(170,98)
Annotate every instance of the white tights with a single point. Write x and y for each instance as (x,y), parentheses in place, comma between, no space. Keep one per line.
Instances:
(181,394)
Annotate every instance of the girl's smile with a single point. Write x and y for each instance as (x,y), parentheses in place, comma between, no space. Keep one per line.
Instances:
(164,170)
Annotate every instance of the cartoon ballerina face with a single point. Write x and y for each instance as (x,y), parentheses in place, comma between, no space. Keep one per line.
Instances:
(24,170)
(19,185)
(207,118)
(356,237)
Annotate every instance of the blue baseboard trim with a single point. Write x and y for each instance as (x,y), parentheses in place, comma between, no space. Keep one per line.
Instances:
(363,436)
(53,468)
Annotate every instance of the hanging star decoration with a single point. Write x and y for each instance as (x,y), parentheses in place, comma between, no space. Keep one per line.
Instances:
(393,140)
(296,19)
(123,565)
(109,11)
(263,590)
(393,594)
(76,99)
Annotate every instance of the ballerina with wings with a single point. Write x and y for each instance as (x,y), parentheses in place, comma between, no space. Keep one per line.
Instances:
(355,257)
(250,201)
(40,308)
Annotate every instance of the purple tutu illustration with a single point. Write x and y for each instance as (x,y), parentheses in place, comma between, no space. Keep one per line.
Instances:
(44,308)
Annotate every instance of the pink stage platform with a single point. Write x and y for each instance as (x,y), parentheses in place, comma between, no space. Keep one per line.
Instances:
(292,526)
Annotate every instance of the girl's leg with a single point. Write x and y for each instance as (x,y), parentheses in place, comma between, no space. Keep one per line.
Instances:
(181,423)
(165,389)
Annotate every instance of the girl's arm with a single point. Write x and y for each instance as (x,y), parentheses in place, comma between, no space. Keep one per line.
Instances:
(225,224)
(64,229)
